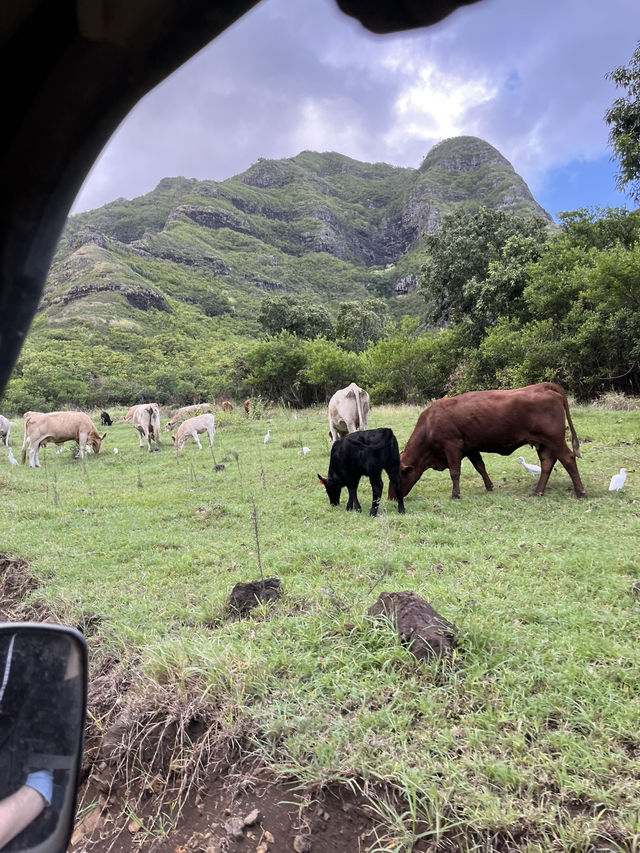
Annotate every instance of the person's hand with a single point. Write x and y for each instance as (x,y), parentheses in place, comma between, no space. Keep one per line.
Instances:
(42,782)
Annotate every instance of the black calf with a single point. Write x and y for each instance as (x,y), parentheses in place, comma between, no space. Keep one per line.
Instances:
(105,420)
(363,454)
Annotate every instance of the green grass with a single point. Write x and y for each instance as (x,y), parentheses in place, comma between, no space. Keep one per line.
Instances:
(531,737)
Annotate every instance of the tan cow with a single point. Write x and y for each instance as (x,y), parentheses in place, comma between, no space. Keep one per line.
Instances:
(191,428)
(146,421)
(5,429)
(226,406)
(57,427)
(132,410)
(187,412)
(348,411)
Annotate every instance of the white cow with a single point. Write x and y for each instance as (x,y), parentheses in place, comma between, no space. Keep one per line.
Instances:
(146,420)
(348,411)
(133,408)
(187,412)
(5,429)
(42,428)
(191,428)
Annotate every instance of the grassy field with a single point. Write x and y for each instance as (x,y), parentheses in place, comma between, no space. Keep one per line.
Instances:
(531,738)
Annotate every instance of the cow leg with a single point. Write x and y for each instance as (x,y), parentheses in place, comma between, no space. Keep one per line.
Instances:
(394,482)
(478,463)
(453,463)
(376,488)
(568,461)
(353,502)
(34,459)
(195,435)
(547,460)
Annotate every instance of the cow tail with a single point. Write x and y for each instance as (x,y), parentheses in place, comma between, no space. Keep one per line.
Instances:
(359,405)
(24,446)
(575,444)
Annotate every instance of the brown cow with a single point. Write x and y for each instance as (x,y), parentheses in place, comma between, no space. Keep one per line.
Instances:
(247,405)
(226,406)
(57,427)
(491,422)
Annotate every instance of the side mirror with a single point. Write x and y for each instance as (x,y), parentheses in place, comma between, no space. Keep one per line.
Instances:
(43,700)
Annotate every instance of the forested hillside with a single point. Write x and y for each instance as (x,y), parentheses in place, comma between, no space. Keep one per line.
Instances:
(304,273)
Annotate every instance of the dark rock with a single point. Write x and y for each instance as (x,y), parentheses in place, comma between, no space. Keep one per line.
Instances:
(421,628)
(87,235)
(245,596)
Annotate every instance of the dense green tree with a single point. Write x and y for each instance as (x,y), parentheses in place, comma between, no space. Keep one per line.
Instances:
(475,269)
(623,118)
(601,228)
(411,367)
(272,370)
(329,367)
(284,312)
(360,324)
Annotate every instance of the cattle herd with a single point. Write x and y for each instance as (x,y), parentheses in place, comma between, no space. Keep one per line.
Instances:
(447,431)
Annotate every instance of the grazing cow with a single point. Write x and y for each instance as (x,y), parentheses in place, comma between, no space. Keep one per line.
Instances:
(57,427)
(191,428)
(146,420)
(133,408)
(247,406)
(363,454)
(226,406)
(348,411)
(5,429)
(491,422)
(105,420)
(187,412)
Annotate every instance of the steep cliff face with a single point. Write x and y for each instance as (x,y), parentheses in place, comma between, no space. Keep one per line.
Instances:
(320,224)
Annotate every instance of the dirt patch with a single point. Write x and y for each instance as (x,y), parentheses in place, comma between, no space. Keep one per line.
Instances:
(16,584)
(256,815)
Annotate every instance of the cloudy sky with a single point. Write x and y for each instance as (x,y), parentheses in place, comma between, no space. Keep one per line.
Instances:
(528,76)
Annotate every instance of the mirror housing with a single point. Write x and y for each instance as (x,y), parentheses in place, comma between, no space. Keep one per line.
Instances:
(43,703)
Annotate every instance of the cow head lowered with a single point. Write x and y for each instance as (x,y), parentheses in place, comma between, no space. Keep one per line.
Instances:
(94,440)
(498,421)
(363,454)
(333,487)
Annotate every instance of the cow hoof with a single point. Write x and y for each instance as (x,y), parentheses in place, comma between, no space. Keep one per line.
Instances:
(401,510)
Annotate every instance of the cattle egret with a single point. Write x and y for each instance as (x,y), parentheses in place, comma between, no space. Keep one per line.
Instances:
(267,436)
(87,448)
(115,449)
(59,451)
(532,469)
(617,481)
(304,451)
(12,458)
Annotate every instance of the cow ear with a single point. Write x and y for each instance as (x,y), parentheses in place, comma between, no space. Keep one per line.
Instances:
(102,437)
(406,469)
(322,480)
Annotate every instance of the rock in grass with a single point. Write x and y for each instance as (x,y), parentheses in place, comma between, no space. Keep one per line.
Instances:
(245,596)
(421,628)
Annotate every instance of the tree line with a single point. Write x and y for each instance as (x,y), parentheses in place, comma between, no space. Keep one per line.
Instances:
(507,302)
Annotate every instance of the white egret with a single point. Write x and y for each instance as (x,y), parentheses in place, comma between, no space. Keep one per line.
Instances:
(267,436)
(532,469)
(617,481)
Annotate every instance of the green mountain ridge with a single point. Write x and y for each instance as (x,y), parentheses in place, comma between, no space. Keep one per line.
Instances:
(319,225)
